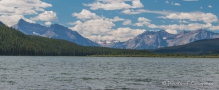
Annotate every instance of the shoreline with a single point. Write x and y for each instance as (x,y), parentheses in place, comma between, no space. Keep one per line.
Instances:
(150,56)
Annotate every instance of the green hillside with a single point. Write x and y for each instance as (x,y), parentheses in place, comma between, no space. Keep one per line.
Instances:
(208,46)
(13,42)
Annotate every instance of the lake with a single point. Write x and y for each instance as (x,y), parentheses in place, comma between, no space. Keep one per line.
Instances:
(120,73)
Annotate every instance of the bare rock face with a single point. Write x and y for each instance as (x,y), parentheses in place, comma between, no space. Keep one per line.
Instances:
(54,31)
(153,40)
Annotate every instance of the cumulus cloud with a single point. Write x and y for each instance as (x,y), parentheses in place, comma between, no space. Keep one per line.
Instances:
(193,16)
(183,21)
(85,14)
(214,28)
(46,16)
(22,6)
(176,4)
(114,4)
(17,9)
(123,34)
(127,22)
(209,6)
(143,22)
(11,20)
(171,31)
(101,28)
(139,11)
(191,26)
(116,19)
(172,28)
(128,11)
(75,23)
(48,23)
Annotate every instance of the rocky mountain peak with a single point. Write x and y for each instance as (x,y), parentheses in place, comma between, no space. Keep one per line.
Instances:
(54,31)
(57,26)
(22,21)
(153,40)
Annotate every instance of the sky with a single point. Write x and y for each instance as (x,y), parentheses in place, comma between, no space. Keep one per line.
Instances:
(115,19)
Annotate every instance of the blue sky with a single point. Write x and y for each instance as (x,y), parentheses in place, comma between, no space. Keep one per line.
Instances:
(115,19)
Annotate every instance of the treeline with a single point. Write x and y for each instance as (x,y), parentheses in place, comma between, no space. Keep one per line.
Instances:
(13,42)
(201,47)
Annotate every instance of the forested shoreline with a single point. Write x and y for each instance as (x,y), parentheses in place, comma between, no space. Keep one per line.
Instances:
(13,42)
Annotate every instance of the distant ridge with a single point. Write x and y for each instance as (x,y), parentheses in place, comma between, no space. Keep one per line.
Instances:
(159,39)
(14,42)
(207,46)
(54,31)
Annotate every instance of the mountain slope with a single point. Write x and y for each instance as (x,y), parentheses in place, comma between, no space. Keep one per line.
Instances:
(207,46)
(1,23)
(188,37)
(159,39)
(13,42)
(146,40)
(54,31)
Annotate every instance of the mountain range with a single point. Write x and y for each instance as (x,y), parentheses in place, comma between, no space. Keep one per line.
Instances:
(14,42)
(146,40)
(207,46)
(54,31)
(159,39)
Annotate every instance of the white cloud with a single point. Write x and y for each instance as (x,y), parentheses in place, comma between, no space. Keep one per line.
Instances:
(172,28)
(191,26)
(25,3)
(193,16)
(127,22)
(209,6)
(124,34)
(167,2)
(114,4)
(214,28)
(116,19)
(17,9)
(86,14)
(75,23)
(183,21)
(128,11)
(11,20)
(137,4)
(142,22)
(94,27)
(101,28)
(46,16)
(139,11)
(48,23)
(22,6)
(176,4)
(171,31)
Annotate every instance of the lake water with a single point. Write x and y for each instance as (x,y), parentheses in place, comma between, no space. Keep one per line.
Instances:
(120,73)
